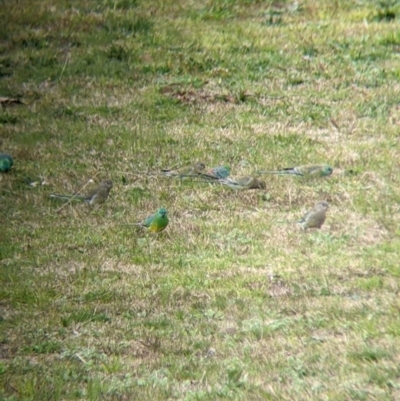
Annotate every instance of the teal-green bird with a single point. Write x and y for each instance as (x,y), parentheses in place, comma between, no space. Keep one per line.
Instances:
(4,165)
(216,173)
(315,217)
(307,170)
(156,222)
(242,183)
(95,197)
(187,171)
(6,162)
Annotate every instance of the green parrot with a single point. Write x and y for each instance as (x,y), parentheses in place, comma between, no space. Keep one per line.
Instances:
(242,183)
(216,173)
(156,222)
(97,196)
(315,217)
(187,171)
(307,170)
(6,162)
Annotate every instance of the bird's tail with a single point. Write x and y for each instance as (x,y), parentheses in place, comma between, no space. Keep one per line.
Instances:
(174,174)
(197,178)
(205,180)
(169,173)
(277,172)
(210,176)
(67,197)
(230,184)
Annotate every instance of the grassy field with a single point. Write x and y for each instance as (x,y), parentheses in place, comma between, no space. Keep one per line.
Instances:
(228,302)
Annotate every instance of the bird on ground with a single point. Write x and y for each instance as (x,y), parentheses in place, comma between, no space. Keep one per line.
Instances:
(95,197)
(216,173)
(156,222)
(242,183)
(315,217)
(186,171)
(307,170)
(6,162)
(4,165)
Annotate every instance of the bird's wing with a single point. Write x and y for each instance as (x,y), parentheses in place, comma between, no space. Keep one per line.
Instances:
(306,216)
(148,221)
(313,169)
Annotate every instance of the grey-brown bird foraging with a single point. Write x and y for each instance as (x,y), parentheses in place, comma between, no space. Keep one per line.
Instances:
(186,171)
(242,183)
(95,197)
(315,217)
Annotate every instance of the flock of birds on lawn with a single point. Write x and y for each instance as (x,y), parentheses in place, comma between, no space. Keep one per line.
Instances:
(158,221)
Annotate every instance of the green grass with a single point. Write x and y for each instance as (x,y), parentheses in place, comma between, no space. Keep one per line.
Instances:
(228,302)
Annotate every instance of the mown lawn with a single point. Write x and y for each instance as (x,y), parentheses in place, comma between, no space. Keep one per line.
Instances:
(230,301)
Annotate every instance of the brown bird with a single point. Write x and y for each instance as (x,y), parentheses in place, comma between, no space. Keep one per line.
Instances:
(95,197)
(315,217)
(242,183)
(187,171)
